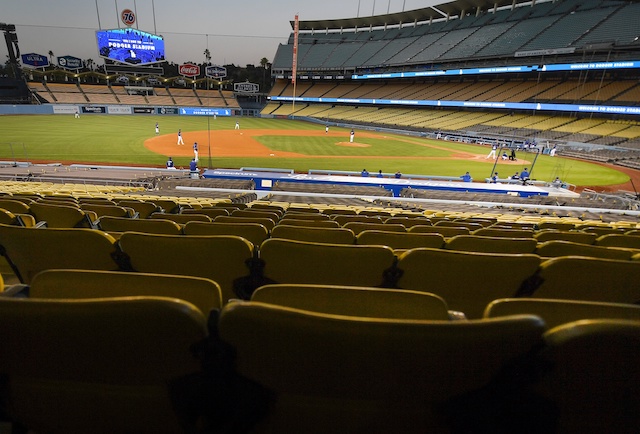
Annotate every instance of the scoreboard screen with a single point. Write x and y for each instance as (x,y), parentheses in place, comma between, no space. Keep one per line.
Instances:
(130,46)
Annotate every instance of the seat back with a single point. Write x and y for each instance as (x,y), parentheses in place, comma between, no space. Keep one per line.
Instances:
(31,250)
(552,249)
(333,373)
(343,219)
(108,210)
(210,212)
(467,281)
(287,261)
(60,216)
(326,223)
(355,301)
(445,231)
(81,284)
(150,226)
(266,222)
(15,206)
(477,243)
(144,209)
(358,227)
(332,235)
(8,218)
(594,375)
(619,240)
(558,312)
(560,226)
(472,226)
(504,233)
(400,240)
(572,236)
(99,366)
(588,279)
(256,233)
(408,222)
(181,218)
(221,258)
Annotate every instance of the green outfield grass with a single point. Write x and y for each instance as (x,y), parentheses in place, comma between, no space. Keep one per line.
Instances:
(119,140)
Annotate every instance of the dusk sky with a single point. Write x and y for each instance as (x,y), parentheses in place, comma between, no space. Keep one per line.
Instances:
(236,32)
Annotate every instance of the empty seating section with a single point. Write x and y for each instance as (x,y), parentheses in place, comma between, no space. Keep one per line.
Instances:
(515,37)
(619,28)
(546,127)
(83,93)
(355,265)
(566,30)
(482,37)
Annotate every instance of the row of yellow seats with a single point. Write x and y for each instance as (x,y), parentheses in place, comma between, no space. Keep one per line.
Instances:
(468,281)
(109,362)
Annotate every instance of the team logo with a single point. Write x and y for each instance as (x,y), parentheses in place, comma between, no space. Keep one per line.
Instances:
(128,17)
(189,70)
(216,71)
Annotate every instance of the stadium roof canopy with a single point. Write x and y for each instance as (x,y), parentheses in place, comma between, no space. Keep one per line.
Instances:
(454,8)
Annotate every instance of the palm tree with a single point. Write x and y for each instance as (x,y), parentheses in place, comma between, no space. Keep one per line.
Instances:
(207,55)
(264,63)
(89,63)
(50,57)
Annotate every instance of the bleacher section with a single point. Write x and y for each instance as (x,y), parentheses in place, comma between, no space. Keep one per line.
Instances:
(82,93)
(492,34)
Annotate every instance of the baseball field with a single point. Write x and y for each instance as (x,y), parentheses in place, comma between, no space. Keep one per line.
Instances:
(271,143)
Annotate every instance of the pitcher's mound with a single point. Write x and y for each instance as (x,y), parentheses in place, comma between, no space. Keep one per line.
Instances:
(353,145)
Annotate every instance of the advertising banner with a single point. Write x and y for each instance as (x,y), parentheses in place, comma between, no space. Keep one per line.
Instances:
(35,60)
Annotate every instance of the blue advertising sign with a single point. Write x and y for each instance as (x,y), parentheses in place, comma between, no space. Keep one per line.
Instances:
(197,111)
(69,62)
(215,71)
(631,64)
(35,60)
(130,46)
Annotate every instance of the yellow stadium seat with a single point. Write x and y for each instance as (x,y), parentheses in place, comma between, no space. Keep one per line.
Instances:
(97,366)
(334,373)
(467,281)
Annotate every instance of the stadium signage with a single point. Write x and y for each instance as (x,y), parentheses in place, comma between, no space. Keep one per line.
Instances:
(548,52)
(128,17)
(631,64)
(94,109)
(167,111)
(69,62)
(189,70)
(246,87)
(35,60)
(130,46)
(198,111)
(215,71)
(119,110)
(144,110)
